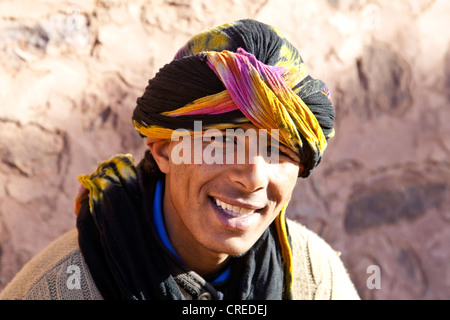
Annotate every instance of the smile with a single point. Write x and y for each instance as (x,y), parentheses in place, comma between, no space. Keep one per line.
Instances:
(232,210)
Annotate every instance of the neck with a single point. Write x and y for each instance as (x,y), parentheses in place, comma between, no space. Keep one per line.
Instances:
(198,258)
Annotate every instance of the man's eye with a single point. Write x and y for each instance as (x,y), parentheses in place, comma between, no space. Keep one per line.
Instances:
(213,139)
(272,149)
(229,140)
(280,151)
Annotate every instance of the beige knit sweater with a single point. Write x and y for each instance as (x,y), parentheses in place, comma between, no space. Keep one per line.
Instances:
(318,271)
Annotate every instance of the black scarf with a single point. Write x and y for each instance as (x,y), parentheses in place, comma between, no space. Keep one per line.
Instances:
(127,260)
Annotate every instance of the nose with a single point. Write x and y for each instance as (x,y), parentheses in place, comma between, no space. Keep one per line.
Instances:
(253,175)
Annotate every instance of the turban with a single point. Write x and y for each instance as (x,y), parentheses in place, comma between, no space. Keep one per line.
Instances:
(240,72)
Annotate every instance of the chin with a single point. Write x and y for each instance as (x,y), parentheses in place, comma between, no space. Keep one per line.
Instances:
(234,247)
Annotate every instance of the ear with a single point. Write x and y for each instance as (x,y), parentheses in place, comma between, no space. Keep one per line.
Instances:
(301,169)
(159,150)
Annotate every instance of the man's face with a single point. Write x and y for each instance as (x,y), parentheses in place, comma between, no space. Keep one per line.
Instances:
(225,208)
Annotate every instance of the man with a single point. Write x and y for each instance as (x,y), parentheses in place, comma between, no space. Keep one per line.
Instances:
(230,124)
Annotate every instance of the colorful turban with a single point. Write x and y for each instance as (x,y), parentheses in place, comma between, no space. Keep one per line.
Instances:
(237,73)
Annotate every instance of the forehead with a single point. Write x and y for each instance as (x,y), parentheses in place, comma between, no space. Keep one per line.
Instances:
(244,130)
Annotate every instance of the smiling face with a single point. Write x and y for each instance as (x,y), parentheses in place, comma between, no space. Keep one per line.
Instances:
(215,210)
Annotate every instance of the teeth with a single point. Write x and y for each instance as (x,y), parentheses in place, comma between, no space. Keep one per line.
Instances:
(233,210)
(244,211)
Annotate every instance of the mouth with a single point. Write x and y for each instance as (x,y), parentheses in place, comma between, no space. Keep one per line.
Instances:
(234,211)
(236,217)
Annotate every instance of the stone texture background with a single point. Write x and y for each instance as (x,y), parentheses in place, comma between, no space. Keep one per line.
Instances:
(70,73)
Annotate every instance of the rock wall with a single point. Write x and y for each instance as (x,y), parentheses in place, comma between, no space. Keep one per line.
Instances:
(70,73)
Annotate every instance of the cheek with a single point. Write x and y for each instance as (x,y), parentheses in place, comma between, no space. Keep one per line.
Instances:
(286,178)
(187,181)
(283,186)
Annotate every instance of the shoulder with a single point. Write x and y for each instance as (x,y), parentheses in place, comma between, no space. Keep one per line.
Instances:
(319,273)
(59,272)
